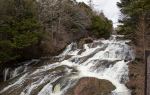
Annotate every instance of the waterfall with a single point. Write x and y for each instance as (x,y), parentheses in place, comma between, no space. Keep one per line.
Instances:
(102,59)
(6,73)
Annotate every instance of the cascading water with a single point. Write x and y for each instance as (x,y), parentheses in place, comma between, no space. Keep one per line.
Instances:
(102,59)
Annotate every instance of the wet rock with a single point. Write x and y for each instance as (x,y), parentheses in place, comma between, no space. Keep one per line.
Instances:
(95,44)
(102,64)
(85,41)
(136,81)
(81,51)
(91,86)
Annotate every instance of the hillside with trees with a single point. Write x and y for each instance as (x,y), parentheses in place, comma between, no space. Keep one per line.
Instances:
(136,26)
(31,29)
(136,21)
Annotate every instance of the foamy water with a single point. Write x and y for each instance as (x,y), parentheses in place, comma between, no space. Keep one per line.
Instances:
(102,59)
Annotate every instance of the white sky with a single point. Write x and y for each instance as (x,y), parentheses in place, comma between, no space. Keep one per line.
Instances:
(108,7)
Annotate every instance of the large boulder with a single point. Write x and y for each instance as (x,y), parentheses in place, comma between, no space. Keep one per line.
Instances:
(91,86)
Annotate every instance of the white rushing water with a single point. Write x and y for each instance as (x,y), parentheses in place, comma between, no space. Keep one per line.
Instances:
(102,59)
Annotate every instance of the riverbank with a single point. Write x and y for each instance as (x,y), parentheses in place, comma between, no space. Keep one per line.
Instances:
(136,78)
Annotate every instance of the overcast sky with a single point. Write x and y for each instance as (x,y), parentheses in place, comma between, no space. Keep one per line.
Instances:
(109,8)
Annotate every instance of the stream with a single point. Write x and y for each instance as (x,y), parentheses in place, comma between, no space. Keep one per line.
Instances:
(102,59)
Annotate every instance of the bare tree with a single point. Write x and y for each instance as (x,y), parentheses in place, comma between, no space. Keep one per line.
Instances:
(91,3)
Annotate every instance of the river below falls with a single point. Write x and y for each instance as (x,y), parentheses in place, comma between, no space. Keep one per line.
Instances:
(102,59)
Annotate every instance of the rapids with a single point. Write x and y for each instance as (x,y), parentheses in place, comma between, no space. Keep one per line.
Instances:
(102,59)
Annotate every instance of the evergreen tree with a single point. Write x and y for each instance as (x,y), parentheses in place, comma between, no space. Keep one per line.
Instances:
(18,28)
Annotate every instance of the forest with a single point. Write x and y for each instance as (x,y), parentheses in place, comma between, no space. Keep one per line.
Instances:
(66,47)
(136,22)
(31,29)
(136,27)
